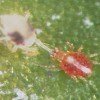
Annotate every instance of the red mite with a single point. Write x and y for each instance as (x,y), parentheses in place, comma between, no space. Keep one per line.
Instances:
(76,64)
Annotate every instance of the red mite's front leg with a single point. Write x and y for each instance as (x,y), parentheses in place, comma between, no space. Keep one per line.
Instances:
(76,64)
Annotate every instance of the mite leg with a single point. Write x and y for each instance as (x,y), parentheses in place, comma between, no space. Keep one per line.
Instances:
(11,47)
(96,62)
(75,78)
(31,51)
(93,55)
(27,15)
(14,49)
(70,45)
(4,38)
(80,48)
(3,30)
(93,61)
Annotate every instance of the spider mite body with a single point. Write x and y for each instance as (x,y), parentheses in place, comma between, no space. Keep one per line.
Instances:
(76,64)
(16,30)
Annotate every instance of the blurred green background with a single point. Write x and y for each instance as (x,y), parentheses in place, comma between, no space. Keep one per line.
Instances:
(76,21)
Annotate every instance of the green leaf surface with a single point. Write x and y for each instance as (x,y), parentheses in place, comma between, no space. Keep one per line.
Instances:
(78,22)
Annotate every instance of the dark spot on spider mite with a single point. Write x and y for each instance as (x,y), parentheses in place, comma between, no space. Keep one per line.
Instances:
(17,38)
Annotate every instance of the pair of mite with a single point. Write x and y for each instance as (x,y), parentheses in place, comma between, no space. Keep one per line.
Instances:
(17,30)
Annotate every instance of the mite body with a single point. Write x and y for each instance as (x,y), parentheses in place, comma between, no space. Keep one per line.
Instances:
(16,30)
(76,64)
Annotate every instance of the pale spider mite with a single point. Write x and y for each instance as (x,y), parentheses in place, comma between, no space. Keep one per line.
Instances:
(17,31)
